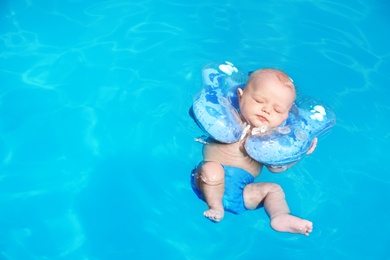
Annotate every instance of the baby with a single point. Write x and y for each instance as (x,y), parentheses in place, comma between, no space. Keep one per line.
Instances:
(225,177)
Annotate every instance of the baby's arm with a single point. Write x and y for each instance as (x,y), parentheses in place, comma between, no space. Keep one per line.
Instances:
(285,167)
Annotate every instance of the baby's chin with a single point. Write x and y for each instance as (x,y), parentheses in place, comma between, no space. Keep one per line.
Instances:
(260,125)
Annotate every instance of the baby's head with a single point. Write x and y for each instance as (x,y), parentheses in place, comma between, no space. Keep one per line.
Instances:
(266,98)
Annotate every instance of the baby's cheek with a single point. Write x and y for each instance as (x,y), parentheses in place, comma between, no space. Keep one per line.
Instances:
(280,120)
(284,117)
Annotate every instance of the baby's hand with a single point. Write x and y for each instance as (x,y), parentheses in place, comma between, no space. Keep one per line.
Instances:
(313,146)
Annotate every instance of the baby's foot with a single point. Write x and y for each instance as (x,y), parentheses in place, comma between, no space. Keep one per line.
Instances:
(292,224)
(214,214)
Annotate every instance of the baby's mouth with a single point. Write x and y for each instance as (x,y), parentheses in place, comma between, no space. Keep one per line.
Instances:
(262,118)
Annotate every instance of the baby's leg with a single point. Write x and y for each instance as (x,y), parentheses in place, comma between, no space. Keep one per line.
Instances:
(210,180)
(271,196)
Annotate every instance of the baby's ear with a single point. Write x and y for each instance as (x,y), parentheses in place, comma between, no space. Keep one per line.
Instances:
(239,93)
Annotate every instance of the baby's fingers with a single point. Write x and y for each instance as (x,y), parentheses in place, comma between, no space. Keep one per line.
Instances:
(313,146)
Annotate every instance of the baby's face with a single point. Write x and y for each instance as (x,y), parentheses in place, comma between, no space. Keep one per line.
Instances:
(265,101)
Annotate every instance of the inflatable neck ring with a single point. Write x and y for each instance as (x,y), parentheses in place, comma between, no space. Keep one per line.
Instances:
(215,110)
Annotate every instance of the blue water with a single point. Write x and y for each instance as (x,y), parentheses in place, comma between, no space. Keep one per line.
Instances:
(96,144)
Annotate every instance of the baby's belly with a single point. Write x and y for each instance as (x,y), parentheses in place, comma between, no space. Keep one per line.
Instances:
(232,155)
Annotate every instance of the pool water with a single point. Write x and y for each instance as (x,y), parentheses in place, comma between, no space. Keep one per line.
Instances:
(96,144)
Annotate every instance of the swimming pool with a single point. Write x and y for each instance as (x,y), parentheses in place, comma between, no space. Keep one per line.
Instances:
(96,144)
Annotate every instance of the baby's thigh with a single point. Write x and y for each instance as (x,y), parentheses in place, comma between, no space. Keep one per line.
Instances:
(255,193)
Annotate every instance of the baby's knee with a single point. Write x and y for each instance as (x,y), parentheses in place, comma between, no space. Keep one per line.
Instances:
(275,188)
(265,188)
(211,172)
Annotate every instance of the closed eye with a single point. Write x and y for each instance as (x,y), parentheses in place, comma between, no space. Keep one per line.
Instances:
(279,110)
